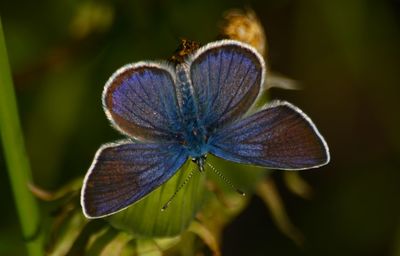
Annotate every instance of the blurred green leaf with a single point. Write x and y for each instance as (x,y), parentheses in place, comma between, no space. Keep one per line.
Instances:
(269,194)
(101,241)
(208,238)
(116,245)
(63,238)
(297,185)
(18,166)
(147,247)
(81,241)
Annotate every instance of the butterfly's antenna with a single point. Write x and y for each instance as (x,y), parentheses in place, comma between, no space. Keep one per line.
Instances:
(177,190)
(225,179)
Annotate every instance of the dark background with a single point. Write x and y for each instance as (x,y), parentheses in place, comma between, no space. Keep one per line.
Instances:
(344,53)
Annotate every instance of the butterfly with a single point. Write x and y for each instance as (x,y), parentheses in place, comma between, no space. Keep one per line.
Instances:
(172,113)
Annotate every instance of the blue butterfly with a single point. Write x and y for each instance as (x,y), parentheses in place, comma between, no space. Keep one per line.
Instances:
(187,111)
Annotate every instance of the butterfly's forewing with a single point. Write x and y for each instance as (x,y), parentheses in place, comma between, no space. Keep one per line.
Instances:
(226,77)
(122,173)
(140,100)
(279,137)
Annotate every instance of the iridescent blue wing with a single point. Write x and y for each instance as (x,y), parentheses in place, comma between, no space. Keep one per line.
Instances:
(226,78)
(279,137)
(122,173)
(140,101)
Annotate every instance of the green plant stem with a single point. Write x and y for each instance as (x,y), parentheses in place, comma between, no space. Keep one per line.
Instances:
(16,157)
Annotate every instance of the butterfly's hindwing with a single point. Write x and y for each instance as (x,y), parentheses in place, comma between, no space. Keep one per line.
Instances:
(122,173)
(278,137)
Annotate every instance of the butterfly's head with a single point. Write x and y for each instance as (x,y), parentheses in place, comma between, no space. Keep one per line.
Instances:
(200,161)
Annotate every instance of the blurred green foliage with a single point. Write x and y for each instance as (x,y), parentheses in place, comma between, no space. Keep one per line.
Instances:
(345,54)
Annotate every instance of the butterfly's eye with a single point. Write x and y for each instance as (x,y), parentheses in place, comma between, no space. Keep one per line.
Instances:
(205,137)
